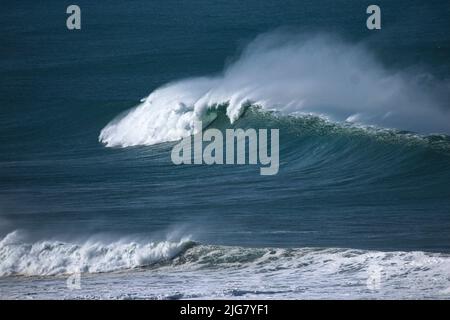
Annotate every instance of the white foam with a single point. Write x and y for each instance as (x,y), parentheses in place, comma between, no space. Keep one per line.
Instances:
(293,74)
(205,271)
(17,257)
(228,272)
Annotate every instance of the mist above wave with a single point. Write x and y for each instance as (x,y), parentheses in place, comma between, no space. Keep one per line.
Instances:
(294,74)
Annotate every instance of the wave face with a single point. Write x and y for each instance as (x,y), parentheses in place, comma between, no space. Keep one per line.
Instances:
(319,75)
(213,271)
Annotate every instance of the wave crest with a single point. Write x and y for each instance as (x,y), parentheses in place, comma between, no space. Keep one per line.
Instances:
(55,257)
(319,75)
(48,258)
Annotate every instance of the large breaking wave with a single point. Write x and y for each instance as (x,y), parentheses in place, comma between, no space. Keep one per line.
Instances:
(319,75)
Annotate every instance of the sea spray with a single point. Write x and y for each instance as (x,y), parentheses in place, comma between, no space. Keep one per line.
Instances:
(294,74)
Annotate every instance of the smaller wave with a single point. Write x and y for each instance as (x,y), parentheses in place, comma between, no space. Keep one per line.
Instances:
(212,271)
(287,272)
(46,258)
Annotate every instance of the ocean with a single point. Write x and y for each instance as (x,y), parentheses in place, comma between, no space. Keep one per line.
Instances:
(92,206)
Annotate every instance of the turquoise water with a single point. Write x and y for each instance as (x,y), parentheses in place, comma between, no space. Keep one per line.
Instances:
(364,147)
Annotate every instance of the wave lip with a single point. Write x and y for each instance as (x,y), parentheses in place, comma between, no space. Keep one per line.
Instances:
(46,258)
(319,75)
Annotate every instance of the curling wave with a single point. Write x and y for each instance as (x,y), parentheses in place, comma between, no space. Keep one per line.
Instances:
(294,75)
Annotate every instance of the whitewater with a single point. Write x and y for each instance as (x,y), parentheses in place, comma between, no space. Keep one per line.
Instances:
(186,269)
(320,75)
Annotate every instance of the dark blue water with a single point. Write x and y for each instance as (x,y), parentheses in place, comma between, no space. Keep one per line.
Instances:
(335,188)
